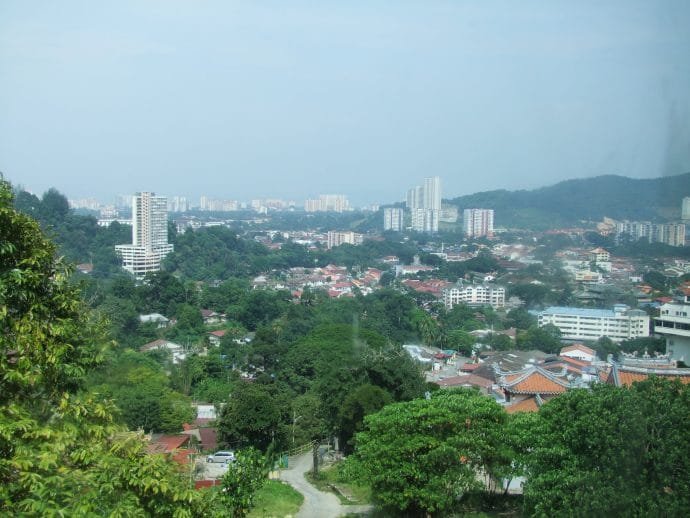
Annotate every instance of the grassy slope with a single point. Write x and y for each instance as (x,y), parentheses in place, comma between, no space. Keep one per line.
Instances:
(276,499)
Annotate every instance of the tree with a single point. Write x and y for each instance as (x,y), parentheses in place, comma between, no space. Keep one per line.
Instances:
(605,346)
(423,455)
(244,477)
(545,338)
(612,451)
(61,450)
(251,417)
(364,400)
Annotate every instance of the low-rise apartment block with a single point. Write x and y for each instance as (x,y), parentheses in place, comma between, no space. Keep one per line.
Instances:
(475,295)
(619,323)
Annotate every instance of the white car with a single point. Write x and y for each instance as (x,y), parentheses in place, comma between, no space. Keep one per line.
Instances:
(221,456)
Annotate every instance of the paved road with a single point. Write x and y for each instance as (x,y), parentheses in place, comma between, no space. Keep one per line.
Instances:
(317,504)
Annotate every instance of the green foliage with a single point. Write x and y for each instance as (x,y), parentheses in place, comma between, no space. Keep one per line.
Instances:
(360,402)
(61,451)
(141,390)
(242,480)
(612,451)
(423,455)
(251,417)
(545,338)
(604,347)
(276,498)
(569,202)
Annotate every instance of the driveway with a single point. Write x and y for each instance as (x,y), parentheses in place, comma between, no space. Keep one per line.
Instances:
(317,504)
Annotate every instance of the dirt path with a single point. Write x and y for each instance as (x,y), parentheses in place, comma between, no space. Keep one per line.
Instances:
(317,504)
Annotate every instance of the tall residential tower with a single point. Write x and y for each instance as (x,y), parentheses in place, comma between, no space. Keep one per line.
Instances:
(424,203)
(149,235)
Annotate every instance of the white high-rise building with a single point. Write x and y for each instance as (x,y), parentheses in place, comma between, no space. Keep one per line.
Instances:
(415,198)
(685,210)
(149,235)
(393,219)
(478,222)
(432,193)
(424,203)
(328,203)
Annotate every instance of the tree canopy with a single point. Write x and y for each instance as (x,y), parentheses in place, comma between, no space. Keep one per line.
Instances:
(61,450)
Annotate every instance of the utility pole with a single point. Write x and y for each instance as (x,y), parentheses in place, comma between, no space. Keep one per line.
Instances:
(315,453)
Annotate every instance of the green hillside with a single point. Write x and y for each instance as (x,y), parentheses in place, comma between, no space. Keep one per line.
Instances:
(588,199)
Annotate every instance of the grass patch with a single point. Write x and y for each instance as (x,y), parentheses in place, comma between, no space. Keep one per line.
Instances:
(276,499)
(330,478)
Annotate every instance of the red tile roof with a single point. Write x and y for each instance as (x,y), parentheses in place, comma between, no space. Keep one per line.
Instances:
(533,380)
(624,376)
(167,443)
(526,405)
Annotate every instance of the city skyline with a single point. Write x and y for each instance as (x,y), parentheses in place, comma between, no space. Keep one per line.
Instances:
(247,101)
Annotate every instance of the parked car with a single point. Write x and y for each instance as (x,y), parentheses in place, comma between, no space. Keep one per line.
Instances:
(221,456)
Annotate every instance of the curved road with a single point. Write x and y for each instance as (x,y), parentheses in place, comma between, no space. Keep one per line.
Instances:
(317,504)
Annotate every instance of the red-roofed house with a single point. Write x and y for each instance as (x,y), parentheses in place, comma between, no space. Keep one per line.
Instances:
(467,380)
(214,337)
(174,446)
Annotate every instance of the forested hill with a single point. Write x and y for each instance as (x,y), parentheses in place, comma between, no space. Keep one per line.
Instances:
(587,199)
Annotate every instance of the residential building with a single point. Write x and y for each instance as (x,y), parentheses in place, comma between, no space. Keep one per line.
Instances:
(685,210)
(425,220)
(599,255)
(175,350)
(672,234)
(619,323)
(475,295)
(579,352)
(424,203)
(415,197)
(149,235)
(341,238)
(478,222)
(328,203)
(432,193)
(393,219)
(673,323)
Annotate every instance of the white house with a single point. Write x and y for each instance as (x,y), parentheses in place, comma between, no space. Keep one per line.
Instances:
(579,352)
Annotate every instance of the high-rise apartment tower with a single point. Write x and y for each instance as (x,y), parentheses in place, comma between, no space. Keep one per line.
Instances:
(149,235)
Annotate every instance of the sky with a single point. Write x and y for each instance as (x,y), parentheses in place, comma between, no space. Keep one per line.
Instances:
(291,99)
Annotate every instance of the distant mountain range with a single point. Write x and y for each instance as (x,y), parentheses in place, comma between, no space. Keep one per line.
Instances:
(573,202)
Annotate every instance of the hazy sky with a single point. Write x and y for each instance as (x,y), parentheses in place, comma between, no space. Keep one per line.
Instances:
(291,99)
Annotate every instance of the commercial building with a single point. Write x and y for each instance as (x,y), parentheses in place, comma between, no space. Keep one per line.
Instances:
(149,235)
(474,295)
(393,219)
(478,222)
(619,323)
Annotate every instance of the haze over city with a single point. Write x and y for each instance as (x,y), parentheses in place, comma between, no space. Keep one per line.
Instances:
(292,99)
